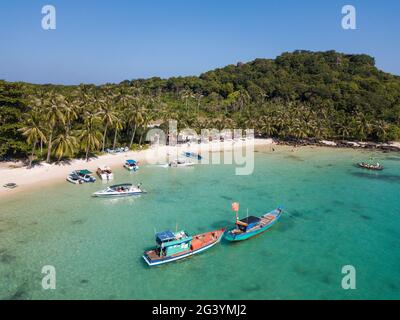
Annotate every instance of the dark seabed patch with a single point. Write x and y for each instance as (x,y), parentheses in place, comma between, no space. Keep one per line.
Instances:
(252,288)
(221,224)
(392,178)
(227,198)
(365,217)
(20,294)
(84,281)
(300,270)
(337,203)
(326,279)
(392,158)
(5,257)
(283,225)
(77,222)
(295,158)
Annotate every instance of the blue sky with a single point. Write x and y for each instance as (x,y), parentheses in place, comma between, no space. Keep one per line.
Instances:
(110,41)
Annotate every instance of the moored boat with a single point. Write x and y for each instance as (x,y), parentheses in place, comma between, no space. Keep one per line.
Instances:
(179,163)
(251,225)
(80,176)
(131,165)
(369,166)
(192,155)
(179,245)
(120,190)
(105,173)
(10,185)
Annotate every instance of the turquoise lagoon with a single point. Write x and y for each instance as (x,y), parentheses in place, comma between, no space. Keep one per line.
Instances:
(336,215)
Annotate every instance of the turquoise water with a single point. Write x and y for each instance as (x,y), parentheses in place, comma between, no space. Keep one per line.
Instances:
(337,215)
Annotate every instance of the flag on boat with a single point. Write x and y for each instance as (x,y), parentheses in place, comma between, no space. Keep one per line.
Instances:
(235,206)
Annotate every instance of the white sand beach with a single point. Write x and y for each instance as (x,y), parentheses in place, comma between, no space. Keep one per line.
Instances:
(45,173)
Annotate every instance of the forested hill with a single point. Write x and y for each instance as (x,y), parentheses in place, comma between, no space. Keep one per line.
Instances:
(297,95)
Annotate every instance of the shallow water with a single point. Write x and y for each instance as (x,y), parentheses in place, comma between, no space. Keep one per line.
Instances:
(336,215)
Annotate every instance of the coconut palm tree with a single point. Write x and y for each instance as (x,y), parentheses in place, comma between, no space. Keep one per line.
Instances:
(55,105)
(109,117)
(381,128)
(135,118)
(65,143)
(118,125)
(33,131)
(90,135)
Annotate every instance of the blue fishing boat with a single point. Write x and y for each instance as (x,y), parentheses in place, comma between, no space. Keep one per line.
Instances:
(252,226)
(175,246)
(192,155)
(131,165)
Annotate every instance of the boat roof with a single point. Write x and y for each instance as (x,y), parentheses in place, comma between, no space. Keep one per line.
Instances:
(165,236)
(131,161)
(250,220)
(84,171)
(122,185)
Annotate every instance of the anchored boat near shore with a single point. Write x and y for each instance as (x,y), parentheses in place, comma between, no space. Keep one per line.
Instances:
(105,173)
(175,246)
(131,165)
(252,226)
(369,166)
(120,190)
(80,176)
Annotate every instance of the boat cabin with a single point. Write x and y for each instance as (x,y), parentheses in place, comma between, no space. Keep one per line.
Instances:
(247,223)
(169,243)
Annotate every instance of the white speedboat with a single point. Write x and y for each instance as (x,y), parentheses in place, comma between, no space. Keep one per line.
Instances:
(120,190)
(131,165)
(178,163)
(105,173)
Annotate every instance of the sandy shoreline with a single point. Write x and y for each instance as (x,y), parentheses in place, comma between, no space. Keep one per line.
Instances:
(45,174)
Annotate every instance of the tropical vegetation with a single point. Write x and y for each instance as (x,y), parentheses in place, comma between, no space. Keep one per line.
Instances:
(298,95)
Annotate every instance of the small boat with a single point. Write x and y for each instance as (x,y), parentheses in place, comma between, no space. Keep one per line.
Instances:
(251,226)
(175,246)
(178,163)
(120,190)
(192,155)
(74,178)
(10,185)
(117,150)
(369,166)
(105,173)
(81,176)
(131,165)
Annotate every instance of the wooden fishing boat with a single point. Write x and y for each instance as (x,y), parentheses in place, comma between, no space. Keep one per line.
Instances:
(252,226)
(175,246)
(376,167)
